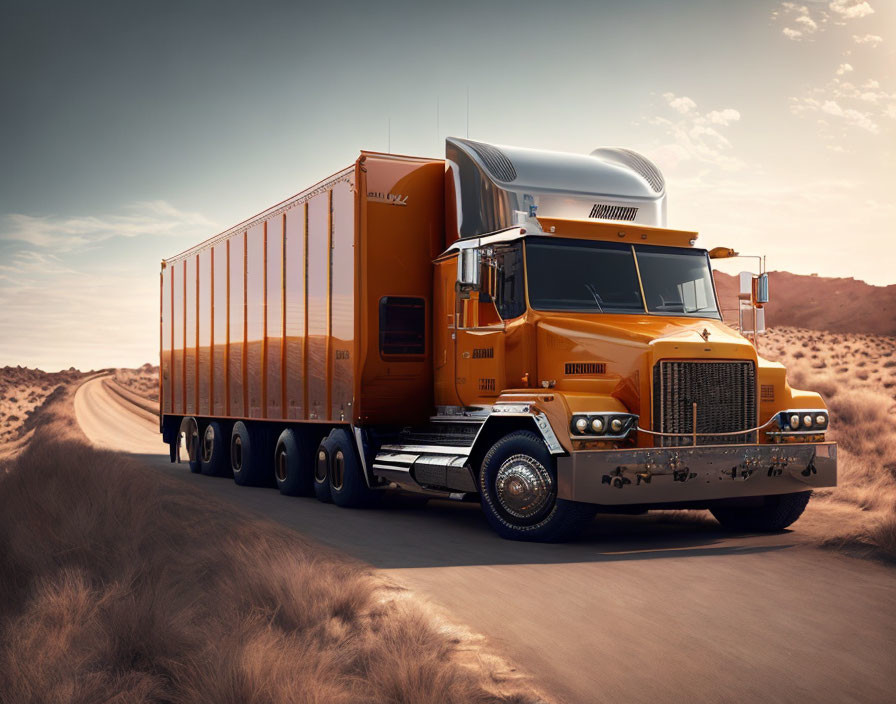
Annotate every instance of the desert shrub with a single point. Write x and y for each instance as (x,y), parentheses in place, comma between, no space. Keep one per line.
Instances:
(120,584)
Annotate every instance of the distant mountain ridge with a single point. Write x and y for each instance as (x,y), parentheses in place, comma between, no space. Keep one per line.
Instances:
(819,303)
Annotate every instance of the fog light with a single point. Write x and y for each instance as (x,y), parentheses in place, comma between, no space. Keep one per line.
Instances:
(807,420)
(616,425)
(581,424)
(597,425)
(794,421)
(821,420)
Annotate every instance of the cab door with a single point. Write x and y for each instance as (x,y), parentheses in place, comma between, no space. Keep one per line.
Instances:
(483,303)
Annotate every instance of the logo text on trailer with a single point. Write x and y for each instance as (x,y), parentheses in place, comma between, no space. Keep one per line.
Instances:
(388,198)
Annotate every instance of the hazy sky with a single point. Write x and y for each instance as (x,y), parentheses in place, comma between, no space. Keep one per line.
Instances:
(129,131)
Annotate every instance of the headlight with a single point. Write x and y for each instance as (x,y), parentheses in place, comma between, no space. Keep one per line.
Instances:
(802,421)
(607,425)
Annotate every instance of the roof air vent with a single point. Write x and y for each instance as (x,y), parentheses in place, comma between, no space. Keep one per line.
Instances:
(602,211)
(644,167)
(497,163)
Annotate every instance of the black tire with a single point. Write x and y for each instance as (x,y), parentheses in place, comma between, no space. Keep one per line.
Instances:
(521,461)
(213,452)
(321,472)
(247,456)
(348,487)
(294,464)
(774,515)
(189,428)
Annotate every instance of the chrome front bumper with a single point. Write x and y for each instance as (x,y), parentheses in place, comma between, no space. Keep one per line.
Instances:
(694,474)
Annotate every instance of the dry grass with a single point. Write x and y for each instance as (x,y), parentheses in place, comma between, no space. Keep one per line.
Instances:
(143,381)
(22,392)
(123,585)
(856,375)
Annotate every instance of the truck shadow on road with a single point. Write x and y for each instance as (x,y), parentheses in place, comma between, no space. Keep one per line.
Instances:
(400,534)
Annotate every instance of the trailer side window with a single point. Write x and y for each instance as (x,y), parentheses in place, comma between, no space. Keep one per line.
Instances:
(402,325)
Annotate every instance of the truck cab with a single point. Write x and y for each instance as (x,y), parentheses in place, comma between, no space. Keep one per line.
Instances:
(581,362)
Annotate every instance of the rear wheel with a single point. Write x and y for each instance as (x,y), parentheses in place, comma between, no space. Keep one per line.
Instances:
(775,514)
(348,487)
(213,451)
(247,455)
(189,430)
(294,464)
(518,487)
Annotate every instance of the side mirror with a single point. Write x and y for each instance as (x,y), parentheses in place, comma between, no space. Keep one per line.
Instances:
(469,268)
(761,293)
(745,289)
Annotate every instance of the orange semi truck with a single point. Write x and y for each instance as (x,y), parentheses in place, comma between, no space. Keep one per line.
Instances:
(509,324)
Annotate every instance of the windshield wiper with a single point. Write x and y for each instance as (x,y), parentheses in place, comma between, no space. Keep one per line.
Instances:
(595,295)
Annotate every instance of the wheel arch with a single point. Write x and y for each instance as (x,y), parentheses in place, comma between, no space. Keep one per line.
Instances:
(498,425)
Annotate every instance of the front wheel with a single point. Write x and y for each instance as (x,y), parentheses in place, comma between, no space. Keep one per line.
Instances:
(518,488)
(776,513)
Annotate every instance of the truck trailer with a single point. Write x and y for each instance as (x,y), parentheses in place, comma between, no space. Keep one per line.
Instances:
(510,325)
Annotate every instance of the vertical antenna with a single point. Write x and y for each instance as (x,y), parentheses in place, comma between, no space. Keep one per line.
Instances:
(468,112)
(437,125)
(389,133)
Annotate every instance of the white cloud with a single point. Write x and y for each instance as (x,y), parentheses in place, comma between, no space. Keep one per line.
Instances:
(696,137)
(851,116)
(66,233)
(861,106)
(872,40)
(809,25)
(851,9)
(723,117)
(802,21)
(682,104)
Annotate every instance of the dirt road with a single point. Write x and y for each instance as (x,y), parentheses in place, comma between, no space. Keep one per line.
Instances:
(637,611)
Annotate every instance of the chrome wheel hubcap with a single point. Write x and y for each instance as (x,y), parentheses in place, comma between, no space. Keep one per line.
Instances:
(236,454)
(281,465)
(523,486)
(208,444)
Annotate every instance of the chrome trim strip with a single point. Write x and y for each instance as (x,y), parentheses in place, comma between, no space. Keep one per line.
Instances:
(427,449)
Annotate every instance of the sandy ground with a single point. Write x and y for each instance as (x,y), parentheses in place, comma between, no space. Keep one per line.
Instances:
(642,609)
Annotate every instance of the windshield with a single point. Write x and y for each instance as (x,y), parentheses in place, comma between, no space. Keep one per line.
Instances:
(602,277)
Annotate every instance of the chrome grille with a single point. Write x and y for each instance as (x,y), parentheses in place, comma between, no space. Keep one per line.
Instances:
(613,212)
(725,394)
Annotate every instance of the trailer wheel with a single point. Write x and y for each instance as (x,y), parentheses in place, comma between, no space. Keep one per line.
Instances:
(778,512)
(321,474)
(348,487)
(294,464)
(518,488)
(189,429)
(247,455)
(213,451)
